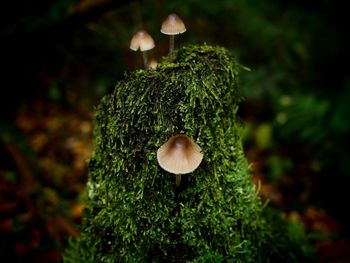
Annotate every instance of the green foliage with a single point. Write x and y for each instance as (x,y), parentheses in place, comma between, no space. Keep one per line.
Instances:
(278,166)
(315,122)
(31,17)
(304,118)
(263,136)
(130,215)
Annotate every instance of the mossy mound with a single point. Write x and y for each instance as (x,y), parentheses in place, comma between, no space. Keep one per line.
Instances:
(134,211)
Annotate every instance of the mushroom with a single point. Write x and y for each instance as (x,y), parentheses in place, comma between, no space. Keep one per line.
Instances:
(172,26)
(152,64)
(143,41)
(179,155)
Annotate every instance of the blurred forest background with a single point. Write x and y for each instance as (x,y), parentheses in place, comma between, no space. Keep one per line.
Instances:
(60,57)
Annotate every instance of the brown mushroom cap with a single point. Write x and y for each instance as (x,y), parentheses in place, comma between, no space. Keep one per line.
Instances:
(152,64)
(142,40)
(173,25)
(179,155)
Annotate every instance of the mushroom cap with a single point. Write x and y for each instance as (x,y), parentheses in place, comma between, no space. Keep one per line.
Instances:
(152,64)
(179,155)
(142,40)
(173,25)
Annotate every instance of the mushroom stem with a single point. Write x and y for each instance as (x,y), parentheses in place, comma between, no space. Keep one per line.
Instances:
(145,58)
(171,45)
(178,180)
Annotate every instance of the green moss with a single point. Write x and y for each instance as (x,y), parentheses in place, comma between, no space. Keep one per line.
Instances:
(130,215)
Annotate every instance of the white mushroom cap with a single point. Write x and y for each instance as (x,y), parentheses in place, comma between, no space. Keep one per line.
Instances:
(173,25)
(142,40)
(179,155)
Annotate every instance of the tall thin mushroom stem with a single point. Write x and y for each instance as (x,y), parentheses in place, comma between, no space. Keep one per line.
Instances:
(145,59)
(178,180)
(171,45)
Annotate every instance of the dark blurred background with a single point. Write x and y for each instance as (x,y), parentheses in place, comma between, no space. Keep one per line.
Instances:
(60,57)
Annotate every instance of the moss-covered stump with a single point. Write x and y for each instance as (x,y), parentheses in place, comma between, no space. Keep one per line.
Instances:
(134,211)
